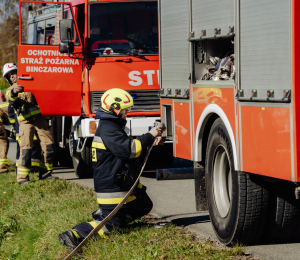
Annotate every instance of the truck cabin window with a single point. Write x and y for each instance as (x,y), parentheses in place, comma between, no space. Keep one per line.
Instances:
(123,29)
(40,23)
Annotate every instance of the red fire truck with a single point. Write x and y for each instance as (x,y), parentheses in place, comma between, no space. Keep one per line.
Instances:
(110,44)
(228,88)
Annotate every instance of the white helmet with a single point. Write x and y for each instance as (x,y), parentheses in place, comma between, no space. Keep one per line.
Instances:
(8,67)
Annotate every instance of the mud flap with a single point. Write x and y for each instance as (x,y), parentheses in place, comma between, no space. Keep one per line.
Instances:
(200,189)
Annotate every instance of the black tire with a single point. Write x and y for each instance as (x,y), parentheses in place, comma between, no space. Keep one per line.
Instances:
(62,156)
(86,154)
(243,214)
(283,213)
(82,170)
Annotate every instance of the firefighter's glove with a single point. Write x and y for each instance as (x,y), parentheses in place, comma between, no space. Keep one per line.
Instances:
(18,89)
(159,140)
(156,131)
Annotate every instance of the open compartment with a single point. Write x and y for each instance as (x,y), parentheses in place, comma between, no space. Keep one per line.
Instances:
(214,60)
(166,116)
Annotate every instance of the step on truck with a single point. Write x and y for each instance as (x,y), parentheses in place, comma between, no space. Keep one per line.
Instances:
(70,53)
(228,94)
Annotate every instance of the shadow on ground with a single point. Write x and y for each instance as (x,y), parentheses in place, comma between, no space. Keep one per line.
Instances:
(190,220)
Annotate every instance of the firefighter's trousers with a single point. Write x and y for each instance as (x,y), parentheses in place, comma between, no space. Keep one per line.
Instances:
(28,128)
(36,153)
(142,205)
(3,148)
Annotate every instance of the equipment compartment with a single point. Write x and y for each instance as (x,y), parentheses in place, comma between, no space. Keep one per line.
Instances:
(214,60)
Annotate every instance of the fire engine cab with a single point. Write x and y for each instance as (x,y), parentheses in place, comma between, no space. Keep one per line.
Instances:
(71,53)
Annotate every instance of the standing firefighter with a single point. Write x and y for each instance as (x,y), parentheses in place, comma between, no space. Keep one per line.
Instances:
(36,147)
(117,162)
(30,122)
(3,137)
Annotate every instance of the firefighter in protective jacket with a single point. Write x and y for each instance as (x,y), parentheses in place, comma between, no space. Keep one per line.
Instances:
(30,122)
(117,162)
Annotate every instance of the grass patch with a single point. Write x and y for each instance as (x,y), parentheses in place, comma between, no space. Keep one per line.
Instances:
(33,215)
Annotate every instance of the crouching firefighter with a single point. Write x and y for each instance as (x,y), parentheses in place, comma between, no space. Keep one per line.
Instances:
(117,161)
(30,122)
(3,137)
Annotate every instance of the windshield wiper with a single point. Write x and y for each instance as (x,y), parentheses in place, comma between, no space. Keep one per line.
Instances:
(138,56)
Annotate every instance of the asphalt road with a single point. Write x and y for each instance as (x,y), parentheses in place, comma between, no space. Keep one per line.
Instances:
(174,200)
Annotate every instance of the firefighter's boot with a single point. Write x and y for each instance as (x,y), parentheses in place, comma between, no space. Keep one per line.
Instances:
(97,213)
(46,175)
(71,239)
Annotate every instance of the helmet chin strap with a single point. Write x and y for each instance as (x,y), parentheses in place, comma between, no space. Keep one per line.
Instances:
(117,112)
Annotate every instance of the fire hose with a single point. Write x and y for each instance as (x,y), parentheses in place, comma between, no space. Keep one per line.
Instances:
(116,209)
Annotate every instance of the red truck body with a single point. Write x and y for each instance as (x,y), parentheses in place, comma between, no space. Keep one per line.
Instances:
(69,81)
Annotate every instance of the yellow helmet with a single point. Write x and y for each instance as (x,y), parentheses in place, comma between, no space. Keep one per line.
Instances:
(116,99)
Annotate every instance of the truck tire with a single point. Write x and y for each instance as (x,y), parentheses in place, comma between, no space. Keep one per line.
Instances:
(81,168)
(62,156)
(86,154)
(237,201)
(283,213)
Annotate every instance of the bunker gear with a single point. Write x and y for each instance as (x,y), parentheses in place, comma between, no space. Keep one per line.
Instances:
(30,122)
(116,164)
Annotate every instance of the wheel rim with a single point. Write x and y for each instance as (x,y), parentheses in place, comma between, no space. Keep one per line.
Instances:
(222,181)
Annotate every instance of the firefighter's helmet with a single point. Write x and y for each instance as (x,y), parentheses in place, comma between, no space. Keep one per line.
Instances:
(8,67)
(115,99)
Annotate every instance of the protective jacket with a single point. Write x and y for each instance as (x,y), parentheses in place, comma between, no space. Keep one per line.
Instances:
(24,104)
(116,160)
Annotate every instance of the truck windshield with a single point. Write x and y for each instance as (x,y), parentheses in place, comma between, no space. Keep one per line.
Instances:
(123,29)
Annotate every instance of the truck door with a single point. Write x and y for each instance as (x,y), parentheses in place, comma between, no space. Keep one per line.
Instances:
(54,78)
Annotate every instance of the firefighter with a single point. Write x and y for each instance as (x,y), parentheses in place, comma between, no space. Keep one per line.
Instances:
(30,122)
(3,137)
(117,162)
(36,148)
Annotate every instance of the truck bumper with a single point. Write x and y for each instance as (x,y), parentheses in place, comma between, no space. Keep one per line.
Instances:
(136,126)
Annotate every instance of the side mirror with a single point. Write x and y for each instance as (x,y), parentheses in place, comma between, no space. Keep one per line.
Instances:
(66,47)
(66,29)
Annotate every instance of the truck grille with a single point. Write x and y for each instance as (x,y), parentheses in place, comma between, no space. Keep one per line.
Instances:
(145,100)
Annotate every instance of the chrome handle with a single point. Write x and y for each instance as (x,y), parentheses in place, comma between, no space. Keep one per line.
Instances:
(26,78)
